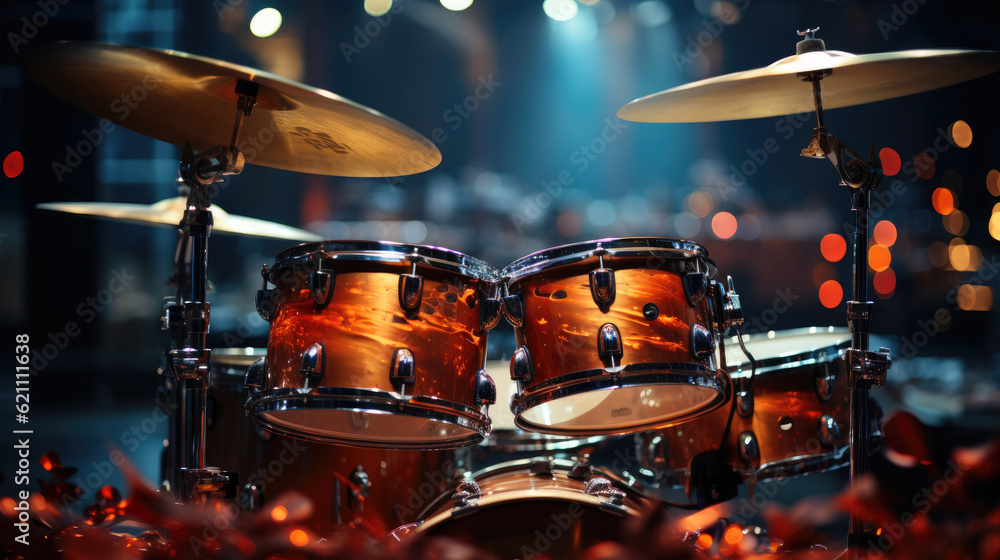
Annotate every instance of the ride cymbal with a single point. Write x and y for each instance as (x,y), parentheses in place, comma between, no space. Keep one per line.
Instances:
(178,97)
(777,90)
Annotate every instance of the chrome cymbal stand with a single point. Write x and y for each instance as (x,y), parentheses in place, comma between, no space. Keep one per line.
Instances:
(187,318)
(865,367)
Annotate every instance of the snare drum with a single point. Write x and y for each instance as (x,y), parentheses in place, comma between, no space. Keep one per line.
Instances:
(614,336)
(372,489)
(532,508)
(795,421)
(376,344)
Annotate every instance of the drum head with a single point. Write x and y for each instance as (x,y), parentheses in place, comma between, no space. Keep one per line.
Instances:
(777,350)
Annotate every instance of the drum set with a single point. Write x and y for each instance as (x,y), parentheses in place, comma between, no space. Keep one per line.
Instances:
(375,397)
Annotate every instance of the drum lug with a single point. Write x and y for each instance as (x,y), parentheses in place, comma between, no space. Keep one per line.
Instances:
(602,287)
(486,389)
(360,488)
(702,344)
(824,382)
(695,287)
(321,284)
(411,292)
(466,498)
(253,497)
(609,343)
(748,448)
(314,363)
(403,367)
(542,468)
(520,366)
(264,301)
(256,374)
(489,313)
(729,310)
(513,309)
(612,499)
(402,532)
(829,430)
(744,403)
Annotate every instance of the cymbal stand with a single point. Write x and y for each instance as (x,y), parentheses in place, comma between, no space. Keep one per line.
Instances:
(187,318)
(866,367)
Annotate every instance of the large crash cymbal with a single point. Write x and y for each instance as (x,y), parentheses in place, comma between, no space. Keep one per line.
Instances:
(777,90)
(178,97)
(170,211)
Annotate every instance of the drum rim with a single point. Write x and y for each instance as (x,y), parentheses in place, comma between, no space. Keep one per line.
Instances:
(386,251)
(370,400)
(614,246)
(793,360)
(638,375)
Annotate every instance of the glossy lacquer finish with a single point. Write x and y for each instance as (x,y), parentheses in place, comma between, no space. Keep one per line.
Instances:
(656,379)
(353,396)
(795,422)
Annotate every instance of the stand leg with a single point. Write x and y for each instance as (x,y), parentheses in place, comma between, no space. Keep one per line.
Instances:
(859,320)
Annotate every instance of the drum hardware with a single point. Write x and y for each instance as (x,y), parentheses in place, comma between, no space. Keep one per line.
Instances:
(612,498)
(321,284)
(602,283)
(253,497)
(411,291)
(466,498)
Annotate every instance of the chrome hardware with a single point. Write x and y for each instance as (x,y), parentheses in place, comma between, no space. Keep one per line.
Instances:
(875,414)
(702,343)
(513,309)
(486,389)
(542,468)
(829,430)
(612,499)
(695,287)
(253,497)
(602,286)
(744,404)
(402,369)
(411,292)
(609,342)
(490,311)
(785,423)
(321,285)
(581,469)
(466,498)
(869,366)
(597,485)
(729,310)
(314,363)
(256,374)
(520,366)
(748,448)
(469,488)
(650,311)
(264,299)
(360,488)
(824,382)
(262,434)
(198,485)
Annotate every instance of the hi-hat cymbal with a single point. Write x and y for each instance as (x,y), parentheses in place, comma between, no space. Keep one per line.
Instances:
(170,211)
(178,97)
(776,90)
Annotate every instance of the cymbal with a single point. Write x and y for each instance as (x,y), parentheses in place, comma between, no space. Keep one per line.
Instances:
(776,90)
(169,212)
(178,97)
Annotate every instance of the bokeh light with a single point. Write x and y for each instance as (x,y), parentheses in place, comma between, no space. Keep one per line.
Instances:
(884,282)
(569,224)
(376,8)
(890,161)
(960,134)
(830,294)
(885,233)
(724,225)
(972,297)
(923,164)
(943,201)
(704,541)
(833,247)
(279,513)
(995,226)
(993,182)
(965,258)
(298,537)
(879,257)
(956,223)
(13,164)
(560,10)
(700,203)
(456,5)
(267,21)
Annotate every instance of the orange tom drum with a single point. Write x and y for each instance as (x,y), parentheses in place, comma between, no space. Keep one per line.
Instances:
(376,344)
(615,336)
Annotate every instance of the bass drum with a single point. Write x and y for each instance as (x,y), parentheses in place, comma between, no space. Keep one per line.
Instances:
(531,508)
(372,489)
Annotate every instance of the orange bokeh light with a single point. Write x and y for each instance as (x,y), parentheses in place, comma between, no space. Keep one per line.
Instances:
(724,225)
(993,182)
(885,233)
(299,537)
(830,294)
(943,201)
(961,134)
(833,247)
(279,513)
(879,257)
(734,533)
(890,161)
(704,541)
(884,281)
